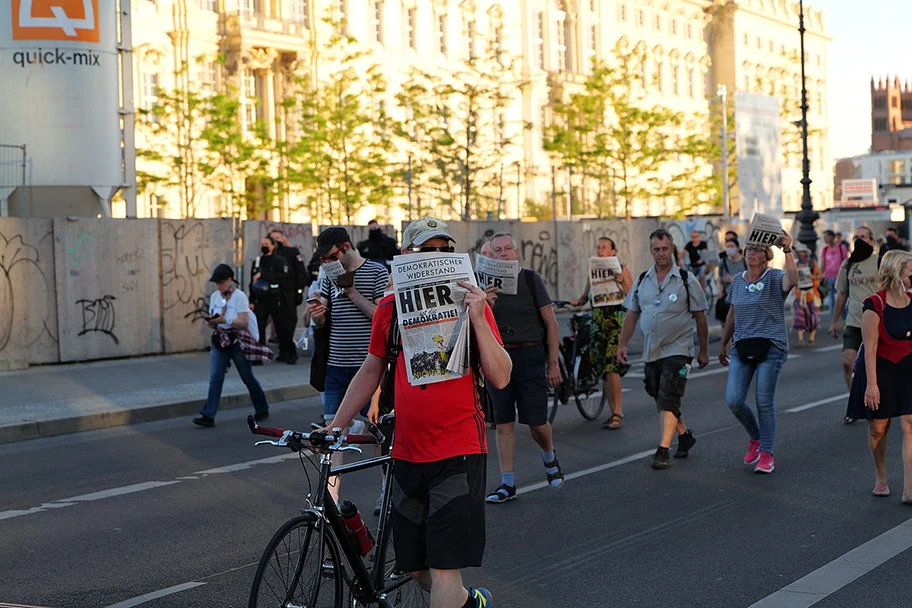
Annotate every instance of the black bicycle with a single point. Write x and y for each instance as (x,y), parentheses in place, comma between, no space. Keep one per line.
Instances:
(313,561)
(579,380)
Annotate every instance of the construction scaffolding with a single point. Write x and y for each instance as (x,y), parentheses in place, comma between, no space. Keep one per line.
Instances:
(13,174)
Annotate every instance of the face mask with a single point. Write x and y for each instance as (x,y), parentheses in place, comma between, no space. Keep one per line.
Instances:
(862,251)
(333,269)
(265,250)
(731,251)
(375,233)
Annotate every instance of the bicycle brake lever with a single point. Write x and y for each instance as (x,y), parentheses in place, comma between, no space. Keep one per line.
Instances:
(349,448)
(267,442)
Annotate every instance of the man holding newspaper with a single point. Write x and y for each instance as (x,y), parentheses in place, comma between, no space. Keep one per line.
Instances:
(440,338)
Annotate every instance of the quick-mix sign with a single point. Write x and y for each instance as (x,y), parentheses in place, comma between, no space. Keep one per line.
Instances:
(55,21)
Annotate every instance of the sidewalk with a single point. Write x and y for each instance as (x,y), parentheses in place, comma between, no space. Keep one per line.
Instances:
(59,399)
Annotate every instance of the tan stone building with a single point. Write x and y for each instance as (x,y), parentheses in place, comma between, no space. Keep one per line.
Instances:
(754,46)
(891,115)
(690,45)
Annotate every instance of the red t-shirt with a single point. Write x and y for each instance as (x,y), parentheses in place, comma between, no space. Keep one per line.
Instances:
(435,421)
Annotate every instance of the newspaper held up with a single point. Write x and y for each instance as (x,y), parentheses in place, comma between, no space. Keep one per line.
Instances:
(765,231)
(604,281)
(502,274)
(433,319)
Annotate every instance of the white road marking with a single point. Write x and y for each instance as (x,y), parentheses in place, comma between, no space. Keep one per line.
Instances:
(702,373)
(148,597)
(5,605)
(842,571)
(243,466)
(827,349)
(813,404)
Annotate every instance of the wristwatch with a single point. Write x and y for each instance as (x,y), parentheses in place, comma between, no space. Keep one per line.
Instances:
(784,250)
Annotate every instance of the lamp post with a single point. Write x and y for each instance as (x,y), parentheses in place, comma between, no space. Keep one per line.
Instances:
(722,92)
(807,216)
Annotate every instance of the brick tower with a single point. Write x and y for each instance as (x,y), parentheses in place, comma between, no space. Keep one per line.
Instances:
(891,115)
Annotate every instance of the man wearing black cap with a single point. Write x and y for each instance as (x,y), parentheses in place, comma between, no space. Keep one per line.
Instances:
(232,340)
(350,292)
(440,449)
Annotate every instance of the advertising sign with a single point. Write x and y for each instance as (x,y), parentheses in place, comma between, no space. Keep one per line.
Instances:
(60,93)
(758,131)
(858,193)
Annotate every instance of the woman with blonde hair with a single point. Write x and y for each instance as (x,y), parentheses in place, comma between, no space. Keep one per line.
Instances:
(882,385)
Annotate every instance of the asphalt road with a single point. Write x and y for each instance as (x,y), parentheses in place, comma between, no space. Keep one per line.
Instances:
(98,518)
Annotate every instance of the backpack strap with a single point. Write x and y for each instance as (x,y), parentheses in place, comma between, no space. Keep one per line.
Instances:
(684,278)
(530,284)
(636,291)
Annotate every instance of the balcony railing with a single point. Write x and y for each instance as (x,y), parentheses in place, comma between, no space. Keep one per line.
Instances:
(248,18)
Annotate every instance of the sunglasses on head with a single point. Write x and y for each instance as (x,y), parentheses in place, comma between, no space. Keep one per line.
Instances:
(442,249)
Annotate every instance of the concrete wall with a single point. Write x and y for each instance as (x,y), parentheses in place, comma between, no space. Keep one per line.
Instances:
(80,289)
(108,288)
(190,250)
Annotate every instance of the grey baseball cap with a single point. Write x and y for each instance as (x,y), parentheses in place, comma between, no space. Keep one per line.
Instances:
(421,231)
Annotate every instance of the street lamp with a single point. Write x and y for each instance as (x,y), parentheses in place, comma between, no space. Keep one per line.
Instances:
(722,92)
(807,216)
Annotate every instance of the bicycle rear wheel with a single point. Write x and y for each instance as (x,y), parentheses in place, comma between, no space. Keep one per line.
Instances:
(558,394)
(590,400)
(408,594)
(295,570)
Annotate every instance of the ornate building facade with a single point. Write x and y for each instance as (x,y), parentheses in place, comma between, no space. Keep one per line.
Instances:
(690,46)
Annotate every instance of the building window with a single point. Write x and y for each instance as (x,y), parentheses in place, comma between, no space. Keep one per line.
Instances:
(539,42)
(674,27)
(209,74)
(442,34)
(249,7)
(300,12)
(377,22)
(150,84)
(641,18)
(771,46)
(340,14)
(880,103)
(248,99)
(660,84)
(560,47)
(818,60)
(623,12)
(691,89)
(894,102)
(675,85)
(593,44)
(411,28)
(499,129)
(880,124)
(746,40)
(592,6)
(747,83)
(658,22)
(690,30)
(207,5)
(470,38)
(759,43)
(906,104)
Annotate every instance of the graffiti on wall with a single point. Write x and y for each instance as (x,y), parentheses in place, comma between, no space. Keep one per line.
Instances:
(98,315)
(184,268)
(24,290)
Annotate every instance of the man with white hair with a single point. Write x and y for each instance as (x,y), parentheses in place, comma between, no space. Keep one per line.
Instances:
(529,330)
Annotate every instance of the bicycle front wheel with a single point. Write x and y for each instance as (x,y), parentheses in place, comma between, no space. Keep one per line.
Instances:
(300,567)
(590,400)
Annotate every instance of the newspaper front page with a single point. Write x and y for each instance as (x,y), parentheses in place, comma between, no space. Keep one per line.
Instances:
(765,230)
(805,277)
(502,274)
(433,319)
(604,282)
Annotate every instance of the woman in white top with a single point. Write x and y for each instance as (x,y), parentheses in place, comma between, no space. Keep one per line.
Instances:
(230,318)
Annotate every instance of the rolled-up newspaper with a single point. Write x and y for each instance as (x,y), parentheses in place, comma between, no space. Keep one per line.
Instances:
(604,281)
(433,319)
(765,230)
(502,274)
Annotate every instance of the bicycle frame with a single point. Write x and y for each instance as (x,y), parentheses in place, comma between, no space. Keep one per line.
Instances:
(368,587)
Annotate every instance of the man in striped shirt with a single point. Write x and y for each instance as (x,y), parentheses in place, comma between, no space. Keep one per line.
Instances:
(350,299)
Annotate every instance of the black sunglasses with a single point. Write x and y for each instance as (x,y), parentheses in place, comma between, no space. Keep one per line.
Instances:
(443,249)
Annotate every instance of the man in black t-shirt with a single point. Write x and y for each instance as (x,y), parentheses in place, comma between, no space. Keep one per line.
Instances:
(378,246)
(694,261)
(526,322)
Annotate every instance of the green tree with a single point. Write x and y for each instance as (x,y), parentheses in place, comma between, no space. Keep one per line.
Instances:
(609,132)
(457,132)
(341,161)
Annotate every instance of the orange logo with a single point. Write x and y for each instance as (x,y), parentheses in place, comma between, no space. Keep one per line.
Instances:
(68,20)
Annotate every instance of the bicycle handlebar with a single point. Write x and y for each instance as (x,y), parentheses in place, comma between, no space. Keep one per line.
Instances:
(317,439)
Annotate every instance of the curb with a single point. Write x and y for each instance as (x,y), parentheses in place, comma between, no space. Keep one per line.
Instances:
(102,420)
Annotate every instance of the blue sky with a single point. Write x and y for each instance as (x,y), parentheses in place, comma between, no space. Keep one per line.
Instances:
(869,38)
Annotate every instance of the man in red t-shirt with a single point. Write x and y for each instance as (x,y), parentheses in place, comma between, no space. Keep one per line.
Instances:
(440,449)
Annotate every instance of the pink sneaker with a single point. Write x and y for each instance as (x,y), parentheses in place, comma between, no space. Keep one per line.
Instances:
(766,464)
(753,452)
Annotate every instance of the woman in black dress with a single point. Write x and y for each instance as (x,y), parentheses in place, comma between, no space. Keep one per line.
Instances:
(882,385)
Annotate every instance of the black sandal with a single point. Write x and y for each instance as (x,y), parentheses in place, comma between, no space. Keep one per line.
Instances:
(502,494)
(554,464)
(849,420)
(619,418)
